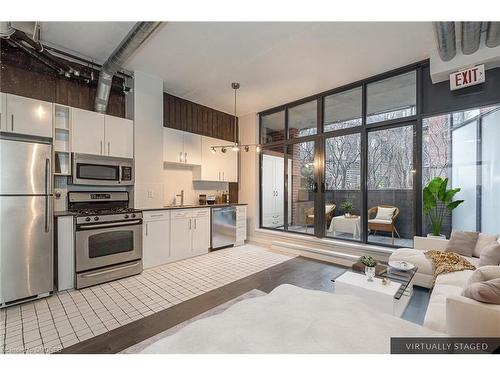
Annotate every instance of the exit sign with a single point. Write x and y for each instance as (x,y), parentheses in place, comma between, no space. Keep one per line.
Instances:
(467,77)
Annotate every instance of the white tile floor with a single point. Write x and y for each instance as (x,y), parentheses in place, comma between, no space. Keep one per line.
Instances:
(66,318)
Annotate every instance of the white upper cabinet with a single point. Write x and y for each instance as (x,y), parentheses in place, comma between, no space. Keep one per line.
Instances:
(98,134)
(192,148)
(218,166)
(119,137)
(27,116)
(173,145)
(181,147)
(87,133)
(3,112)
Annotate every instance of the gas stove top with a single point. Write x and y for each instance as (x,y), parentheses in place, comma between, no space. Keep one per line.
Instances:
(104,211)
(101,207)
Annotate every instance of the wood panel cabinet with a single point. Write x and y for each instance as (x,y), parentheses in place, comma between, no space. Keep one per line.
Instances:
(195,118)
(98,134)
(27,116)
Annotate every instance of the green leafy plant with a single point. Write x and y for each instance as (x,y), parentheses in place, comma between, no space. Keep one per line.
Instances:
(368,261)
(438,200)
(346,207)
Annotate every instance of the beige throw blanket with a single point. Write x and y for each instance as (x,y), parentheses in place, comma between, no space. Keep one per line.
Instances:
(446,262)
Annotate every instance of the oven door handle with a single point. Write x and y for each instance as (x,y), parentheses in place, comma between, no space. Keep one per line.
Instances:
(107,225)
(93,274)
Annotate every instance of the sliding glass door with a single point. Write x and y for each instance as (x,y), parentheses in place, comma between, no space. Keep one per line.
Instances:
(390,195)
(343,196)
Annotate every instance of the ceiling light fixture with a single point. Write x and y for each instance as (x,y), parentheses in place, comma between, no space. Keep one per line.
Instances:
(236,145)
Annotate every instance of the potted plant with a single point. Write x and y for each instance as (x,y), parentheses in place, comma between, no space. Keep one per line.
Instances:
(438,201)
(347,208)
(370,264)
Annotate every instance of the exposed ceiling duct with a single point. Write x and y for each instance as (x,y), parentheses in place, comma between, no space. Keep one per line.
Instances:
(445,38)
(132,41)
(471,37)
(6,29)
(493,34)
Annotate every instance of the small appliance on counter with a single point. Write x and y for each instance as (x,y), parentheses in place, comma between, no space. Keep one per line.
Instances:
(108,237)
(211,199)
(202,200)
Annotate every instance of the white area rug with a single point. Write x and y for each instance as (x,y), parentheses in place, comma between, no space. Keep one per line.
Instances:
(292,320)
(216,310)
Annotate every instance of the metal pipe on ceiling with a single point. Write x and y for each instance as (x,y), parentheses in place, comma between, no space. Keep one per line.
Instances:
(6,29)
(471,37)
(132,41)
(493,34)
(445,39)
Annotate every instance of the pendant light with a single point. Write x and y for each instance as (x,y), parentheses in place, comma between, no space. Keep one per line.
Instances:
(236,145)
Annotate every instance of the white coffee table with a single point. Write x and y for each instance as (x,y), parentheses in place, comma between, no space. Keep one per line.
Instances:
(388,298)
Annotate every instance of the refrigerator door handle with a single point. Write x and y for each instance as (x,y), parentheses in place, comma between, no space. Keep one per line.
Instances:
(47,197)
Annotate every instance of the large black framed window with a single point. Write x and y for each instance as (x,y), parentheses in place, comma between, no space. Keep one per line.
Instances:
(355,159)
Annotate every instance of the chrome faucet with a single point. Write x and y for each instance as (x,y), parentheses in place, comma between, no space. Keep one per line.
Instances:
(182,197)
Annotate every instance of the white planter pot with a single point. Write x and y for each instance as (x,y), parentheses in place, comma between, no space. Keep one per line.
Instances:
(440,237)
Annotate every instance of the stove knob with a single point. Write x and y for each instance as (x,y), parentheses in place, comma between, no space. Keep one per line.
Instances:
(96,218)
(126,216)
(133,215)
(87,219)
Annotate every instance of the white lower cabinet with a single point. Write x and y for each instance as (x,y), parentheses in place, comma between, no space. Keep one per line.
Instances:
(190,230)
(156,238)
(171,235)
(241,225)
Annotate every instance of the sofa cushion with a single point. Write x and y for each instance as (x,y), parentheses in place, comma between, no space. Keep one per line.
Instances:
(486,291)
(459,278)
(483,240)
(435,317)
(484,274)
(490,255)
(462,242)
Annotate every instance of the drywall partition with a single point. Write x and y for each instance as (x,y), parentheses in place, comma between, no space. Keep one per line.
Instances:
(148,141)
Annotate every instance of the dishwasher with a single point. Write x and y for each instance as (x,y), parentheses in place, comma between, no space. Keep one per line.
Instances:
(223,227)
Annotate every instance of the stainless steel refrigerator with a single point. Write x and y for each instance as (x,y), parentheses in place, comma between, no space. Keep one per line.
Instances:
(26,219)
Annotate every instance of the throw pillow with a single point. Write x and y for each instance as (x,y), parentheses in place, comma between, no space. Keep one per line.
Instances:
(482,241)
(490,256)
(486,291)
(484,274)
(385,213)
(462,243)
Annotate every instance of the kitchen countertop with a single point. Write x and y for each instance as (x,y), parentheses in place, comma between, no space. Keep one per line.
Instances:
(187,206)
(69,213)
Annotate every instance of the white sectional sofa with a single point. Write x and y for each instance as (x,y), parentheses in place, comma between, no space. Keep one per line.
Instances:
(448,311)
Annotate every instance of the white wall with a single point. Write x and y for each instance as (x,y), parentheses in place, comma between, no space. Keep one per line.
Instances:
(249,170)
(148,141)
(177,178)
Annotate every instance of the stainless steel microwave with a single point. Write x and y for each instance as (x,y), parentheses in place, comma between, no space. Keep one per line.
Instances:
(102,170)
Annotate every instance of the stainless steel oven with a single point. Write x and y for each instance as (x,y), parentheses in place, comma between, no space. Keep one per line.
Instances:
(102,170)
(107,250)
